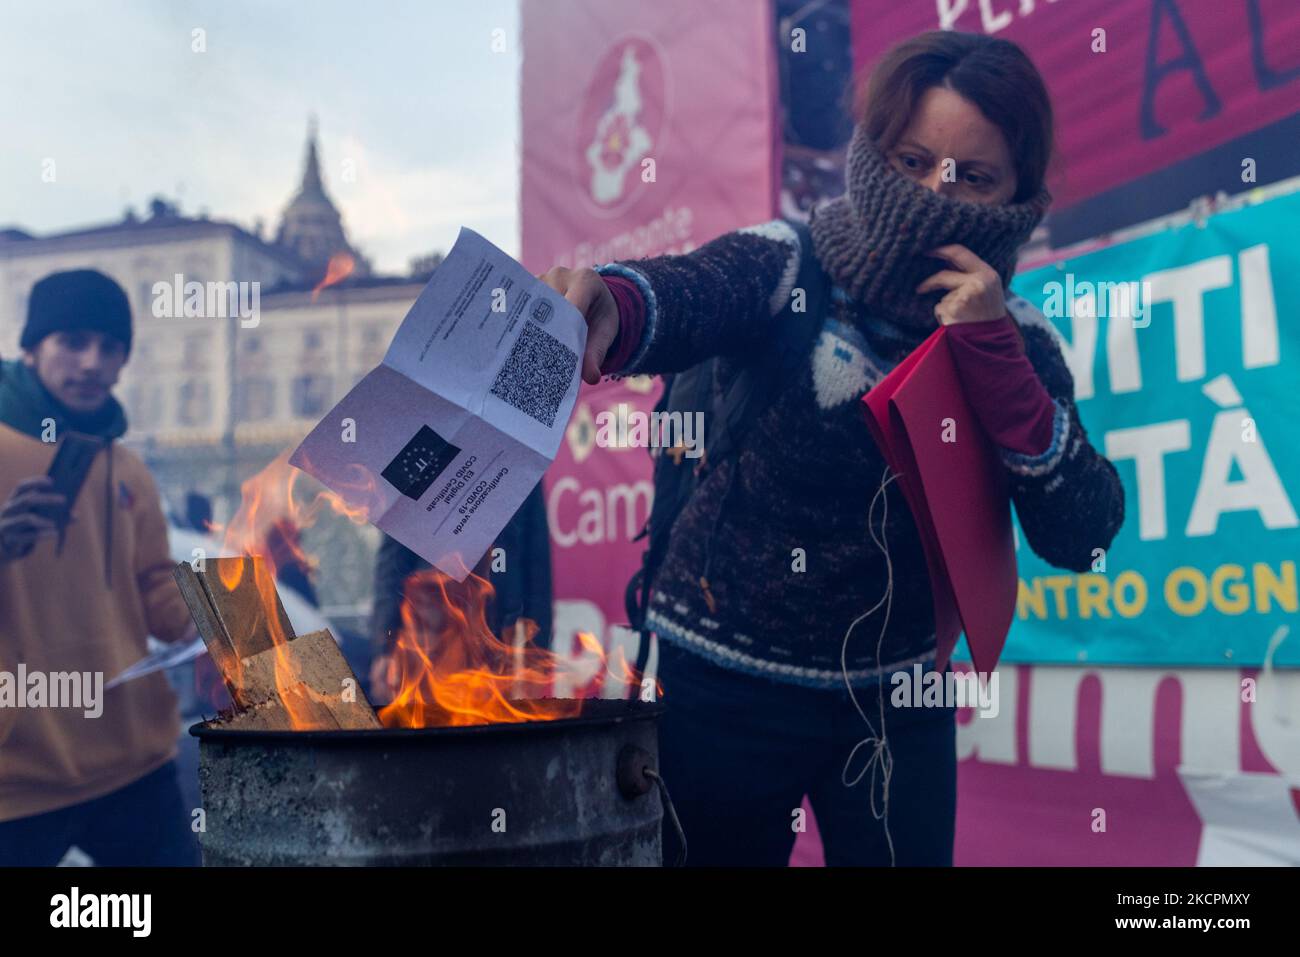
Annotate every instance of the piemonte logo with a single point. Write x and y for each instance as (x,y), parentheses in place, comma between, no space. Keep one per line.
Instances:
(581,433)
(620,124)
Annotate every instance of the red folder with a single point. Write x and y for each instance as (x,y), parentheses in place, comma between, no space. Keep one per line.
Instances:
(957,492)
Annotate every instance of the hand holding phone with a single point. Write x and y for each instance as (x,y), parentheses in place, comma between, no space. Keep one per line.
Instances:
(42,505)
(72,462)
(24,518)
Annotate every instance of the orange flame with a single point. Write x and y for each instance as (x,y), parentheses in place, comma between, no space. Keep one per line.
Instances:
(450,670)
(267,525)
(339,268)
(447,667)
(268,502)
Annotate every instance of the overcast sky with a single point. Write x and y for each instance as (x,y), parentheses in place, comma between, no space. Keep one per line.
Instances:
(411,92)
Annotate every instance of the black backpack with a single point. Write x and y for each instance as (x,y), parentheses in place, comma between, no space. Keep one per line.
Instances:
(728,413)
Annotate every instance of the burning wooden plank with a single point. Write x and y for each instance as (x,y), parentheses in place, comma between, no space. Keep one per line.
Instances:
(242,593)
(277,680)
(317,676)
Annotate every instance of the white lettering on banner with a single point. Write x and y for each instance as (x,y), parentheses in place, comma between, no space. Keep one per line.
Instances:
(995,742)
(1123,367)
(576,666)
(1147,446)
(614,513)
(623,645)
(1079,352)
(1259,345)
(1184,288)
(1209,703)
(992,20)
(1260,489)
(670,232)
(1209,738)
(1209,707)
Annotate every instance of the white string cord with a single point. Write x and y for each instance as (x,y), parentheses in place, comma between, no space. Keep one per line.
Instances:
(881,761)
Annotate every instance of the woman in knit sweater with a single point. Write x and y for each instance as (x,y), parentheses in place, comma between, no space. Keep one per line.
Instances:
(768,699)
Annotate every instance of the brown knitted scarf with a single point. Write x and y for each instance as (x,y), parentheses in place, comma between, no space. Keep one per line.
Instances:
(872,240)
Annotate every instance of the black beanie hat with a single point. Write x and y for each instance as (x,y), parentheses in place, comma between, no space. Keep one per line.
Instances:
(75,300)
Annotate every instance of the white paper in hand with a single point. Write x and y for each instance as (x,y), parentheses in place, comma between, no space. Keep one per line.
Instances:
(441,444)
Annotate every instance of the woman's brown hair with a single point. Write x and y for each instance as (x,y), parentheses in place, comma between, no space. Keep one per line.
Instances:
(992,73)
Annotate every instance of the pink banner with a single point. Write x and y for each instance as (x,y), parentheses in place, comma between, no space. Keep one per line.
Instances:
(597,500)
(1129,767)
(648,130)
(1137,85)
(622,158)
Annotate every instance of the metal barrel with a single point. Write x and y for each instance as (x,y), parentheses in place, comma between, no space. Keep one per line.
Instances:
(563,792)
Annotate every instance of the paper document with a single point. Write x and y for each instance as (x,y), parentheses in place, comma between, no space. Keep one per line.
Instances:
(958,494)
(443,441)
(168,656)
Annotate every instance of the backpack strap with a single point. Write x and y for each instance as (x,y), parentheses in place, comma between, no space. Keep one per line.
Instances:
(732,411)
(777,362)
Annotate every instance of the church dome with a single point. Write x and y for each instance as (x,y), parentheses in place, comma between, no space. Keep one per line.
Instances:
(311,227)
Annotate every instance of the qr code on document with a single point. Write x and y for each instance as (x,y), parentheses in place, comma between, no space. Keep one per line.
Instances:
(536,374)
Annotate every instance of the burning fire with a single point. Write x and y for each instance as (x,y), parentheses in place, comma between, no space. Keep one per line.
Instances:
(267,525)
(339,268)
(269,508)
(447,667)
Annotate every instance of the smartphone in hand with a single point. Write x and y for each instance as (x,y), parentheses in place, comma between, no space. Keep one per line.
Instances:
(72,462)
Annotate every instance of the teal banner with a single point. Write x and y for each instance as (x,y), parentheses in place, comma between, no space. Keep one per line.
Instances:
(1185,351)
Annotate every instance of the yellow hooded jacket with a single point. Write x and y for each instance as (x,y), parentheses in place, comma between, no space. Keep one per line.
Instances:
(86,609)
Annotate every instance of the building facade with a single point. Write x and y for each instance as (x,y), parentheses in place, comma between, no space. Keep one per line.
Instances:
(212,398)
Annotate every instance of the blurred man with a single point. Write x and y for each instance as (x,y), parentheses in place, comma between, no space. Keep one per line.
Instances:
(80,601)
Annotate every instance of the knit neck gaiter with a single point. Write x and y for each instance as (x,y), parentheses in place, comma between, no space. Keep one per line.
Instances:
(873,240)
(26,406)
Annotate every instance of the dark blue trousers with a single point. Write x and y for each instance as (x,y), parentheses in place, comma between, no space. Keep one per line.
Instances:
(738,753)
(144,824)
